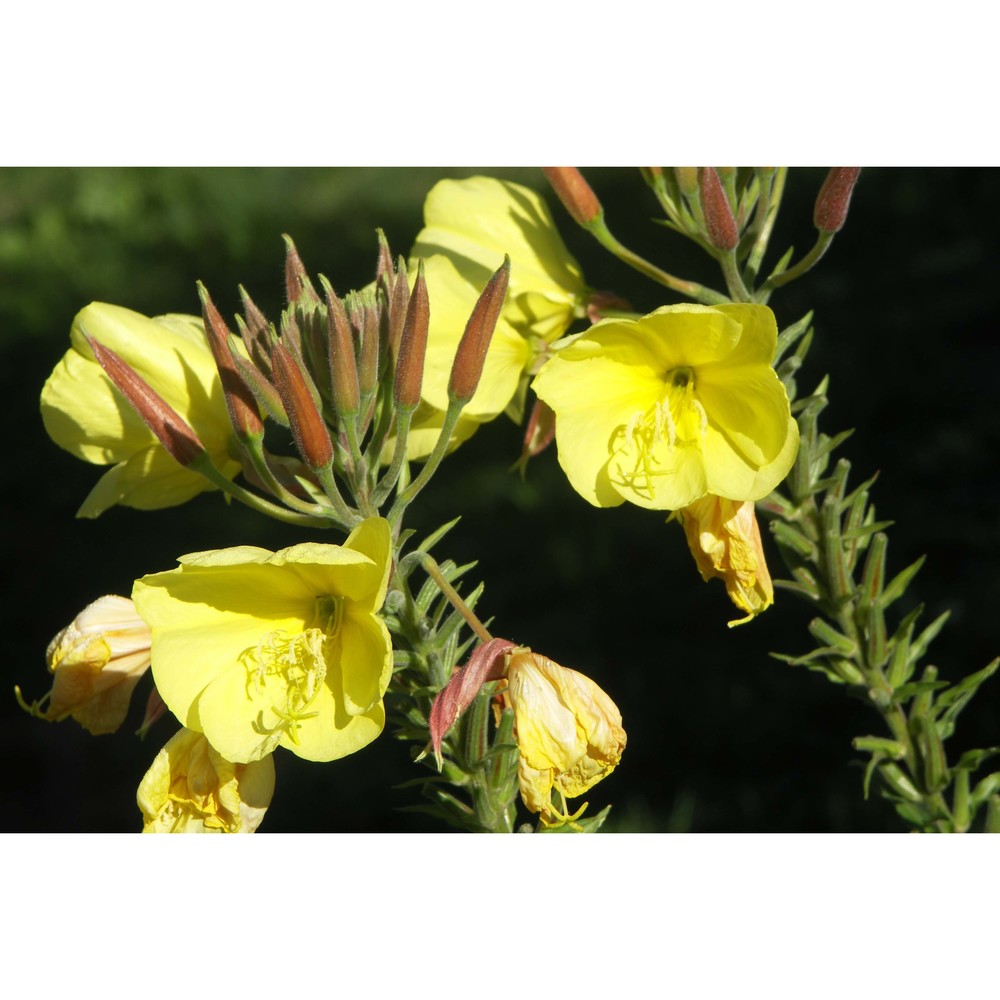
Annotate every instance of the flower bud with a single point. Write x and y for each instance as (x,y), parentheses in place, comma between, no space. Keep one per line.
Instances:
(256,333)
(239,399)
(687,180)
(575,193)
(96,661)
(724,539)
(412,346)
(308,427)
(340,346)
(190,788)
(487,663)
(569,732)
(180,442)
(298,287)
(467,368)
(720,224)
(834,199)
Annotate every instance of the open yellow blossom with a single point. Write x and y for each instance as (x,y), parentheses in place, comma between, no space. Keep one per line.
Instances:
(191,788)
(260,649)
(469,226)
(96,661)
(84,413)
(569,732)
(661,410)
(724,539)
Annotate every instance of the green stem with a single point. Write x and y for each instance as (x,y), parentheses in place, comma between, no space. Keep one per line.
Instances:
(823,241)
(770,203)
(691,289)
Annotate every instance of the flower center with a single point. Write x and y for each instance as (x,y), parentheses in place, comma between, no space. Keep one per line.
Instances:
(650,444)
(290,667)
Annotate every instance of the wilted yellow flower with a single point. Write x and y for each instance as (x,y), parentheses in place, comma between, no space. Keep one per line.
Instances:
(84,413)
(724,538)
(661,410)
(260,649)
(569,732)
(97,661)
(191,788)
(469,226)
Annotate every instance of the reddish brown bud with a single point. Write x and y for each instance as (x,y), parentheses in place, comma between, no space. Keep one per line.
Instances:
(486,663)
(720,225)
(155,710)
(467,368)
(239,400)
(412,345)
(308,427)
(256,333)
(340,347)
(297,284)
(834,199)
(383,270)
(575,193)
(398,306)
(180,442)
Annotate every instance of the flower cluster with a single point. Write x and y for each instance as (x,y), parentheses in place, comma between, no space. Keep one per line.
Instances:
(678,410)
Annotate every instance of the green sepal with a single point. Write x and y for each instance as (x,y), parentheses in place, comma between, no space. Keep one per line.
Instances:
(809,593)
(898,584)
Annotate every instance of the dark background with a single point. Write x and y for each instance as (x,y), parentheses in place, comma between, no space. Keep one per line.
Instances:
(721,737)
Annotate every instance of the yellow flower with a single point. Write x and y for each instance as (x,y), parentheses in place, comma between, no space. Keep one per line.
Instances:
(97,661)
(664,409)
(190,788)
(569,732)
(258,649)
(469,226)
(724,539)
(85,414)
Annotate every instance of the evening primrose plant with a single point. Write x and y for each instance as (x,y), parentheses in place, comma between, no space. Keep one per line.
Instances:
(334,416)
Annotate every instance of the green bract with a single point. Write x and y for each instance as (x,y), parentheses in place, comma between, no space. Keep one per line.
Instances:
(258,649)
(661,410)
(85,414)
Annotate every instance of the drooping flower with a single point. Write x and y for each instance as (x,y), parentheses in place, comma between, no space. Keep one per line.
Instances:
(661,410)
(724,539)
(85,414)
(469,226)
(96,661)
(260,649)
(569,732)
(191,788)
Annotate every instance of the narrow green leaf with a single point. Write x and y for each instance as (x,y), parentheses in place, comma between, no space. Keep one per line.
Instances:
(984,788)
(897,586)
(866,529)
(892,749)
(788,337)
(919,646)
(791,538)
(435,536)
(992,824)
(876,648)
